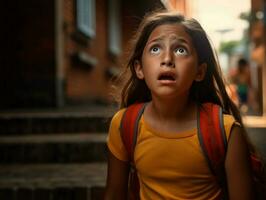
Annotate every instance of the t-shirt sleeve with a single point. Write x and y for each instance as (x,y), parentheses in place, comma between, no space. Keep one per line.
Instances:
(114,141)
(229,121)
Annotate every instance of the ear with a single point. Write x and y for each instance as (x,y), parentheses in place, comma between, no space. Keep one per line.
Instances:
(138,69)
(202,68)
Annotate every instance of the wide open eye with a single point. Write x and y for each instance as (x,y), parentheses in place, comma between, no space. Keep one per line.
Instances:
(181,51)
(155,50)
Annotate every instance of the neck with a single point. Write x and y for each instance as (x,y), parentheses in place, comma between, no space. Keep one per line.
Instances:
(172,109)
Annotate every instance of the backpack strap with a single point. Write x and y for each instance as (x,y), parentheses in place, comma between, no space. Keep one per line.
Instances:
(212,138)
(129,132)
(129,127)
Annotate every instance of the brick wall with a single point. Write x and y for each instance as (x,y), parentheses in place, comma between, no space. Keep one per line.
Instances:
(28,68)
(86,82)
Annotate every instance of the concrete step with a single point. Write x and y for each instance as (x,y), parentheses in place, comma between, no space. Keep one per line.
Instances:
(53,182)
(78,193)
(46,122)
(53,148)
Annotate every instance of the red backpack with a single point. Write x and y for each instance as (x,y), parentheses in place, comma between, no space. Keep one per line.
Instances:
(212,138)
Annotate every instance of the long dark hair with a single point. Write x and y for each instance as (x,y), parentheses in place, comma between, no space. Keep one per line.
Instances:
(211,89)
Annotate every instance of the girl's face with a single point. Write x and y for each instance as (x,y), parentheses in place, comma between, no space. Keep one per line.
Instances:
(169,62)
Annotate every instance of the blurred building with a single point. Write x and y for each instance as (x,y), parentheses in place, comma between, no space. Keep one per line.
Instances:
(185,7)
(258,42)
(65,52)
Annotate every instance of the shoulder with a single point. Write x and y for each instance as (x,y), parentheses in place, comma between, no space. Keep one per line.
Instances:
(132,112)
(117,117)
(114,140)
(226,121)
(229,122)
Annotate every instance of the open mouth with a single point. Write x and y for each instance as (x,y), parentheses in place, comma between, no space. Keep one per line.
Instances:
(167,77)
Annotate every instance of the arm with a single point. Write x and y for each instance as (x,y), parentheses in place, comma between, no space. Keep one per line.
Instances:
(117,179)
(237,166)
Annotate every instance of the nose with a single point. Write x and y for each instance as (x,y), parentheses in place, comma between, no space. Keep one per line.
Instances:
(167,60)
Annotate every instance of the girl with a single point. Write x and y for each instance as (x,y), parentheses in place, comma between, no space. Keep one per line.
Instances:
(174,70)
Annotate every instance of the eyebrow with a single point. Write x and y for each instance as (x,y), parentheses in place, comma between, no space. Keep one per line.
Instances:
(182,40)
(179,39)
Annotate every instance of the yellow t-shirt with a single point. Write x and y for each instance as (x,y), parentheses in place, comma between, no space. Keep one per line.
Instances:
(170,165)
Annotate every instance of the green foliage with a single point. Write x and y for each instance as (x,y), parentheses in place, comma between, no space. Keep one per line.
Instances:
(228,47)
(246,16)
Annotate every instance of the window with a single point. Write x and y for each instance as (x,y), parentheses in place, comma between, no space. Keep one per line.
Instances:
(86,17)
(114,28)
